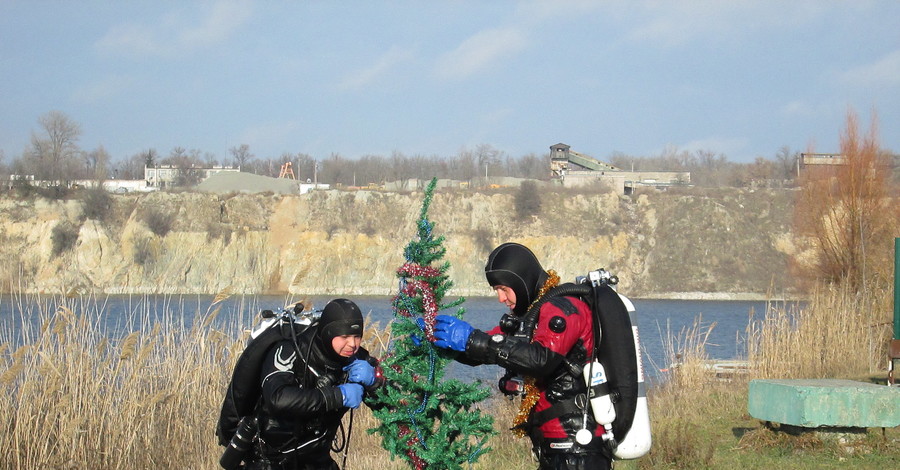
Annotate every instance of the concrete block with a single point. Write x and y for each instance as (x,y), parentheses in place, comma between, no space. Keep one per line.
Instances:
(824,402)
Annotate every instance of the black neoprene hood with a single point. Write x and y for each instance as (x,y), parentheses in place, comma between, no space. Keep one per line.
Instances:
(341,317)
(515,266)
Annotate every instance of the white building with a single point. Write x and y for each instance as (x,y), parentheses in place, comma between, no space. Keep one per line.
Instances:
(162,176)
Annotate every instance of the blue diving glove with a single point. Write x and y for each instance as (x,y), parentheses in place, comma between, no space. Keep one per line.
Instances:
(451,332)
(352,393)
(361,372)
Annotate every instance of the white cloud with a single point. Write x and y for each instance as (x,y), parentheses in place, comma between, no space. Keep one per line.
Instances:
(387,62)
(884,71)
(222,21)
(479,51)
(130,39)
(108,87)
(803,109)
(541,10)
(497,116)
(797,108)
(670,24)
(175,35)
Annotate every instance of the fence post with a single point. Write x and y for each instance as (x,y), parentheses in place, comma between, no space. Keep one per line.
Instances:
(894,358)
(897,288)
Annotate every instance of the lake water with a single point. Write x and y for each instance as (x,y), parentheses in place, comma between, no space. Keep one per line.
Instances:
(658,320)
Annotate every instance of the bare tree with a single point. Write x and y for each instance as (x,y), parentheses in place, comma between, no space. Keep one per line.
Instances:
(464,167)
(187,164)
(241,155)
(846,212)
(488,157)
(210,159)
(132,168)
(709,168)
(401,168)
(374,169)
(761,171)
(56,147)
(97,164)
(306,167)
(336,170)
(786,163)
(532,166)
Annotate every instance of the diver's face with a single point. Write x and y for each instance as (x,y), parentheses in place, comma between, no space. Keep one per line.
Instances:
(346,345)
(506,296)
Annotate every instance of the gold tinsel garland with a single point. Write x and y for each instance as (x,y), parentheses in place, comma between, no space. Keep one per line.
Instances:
(532,394)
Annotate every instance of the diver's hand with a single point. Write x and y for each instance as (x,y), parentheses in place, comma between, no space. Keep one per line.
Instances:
(352,393)
(361,372)
(451,332)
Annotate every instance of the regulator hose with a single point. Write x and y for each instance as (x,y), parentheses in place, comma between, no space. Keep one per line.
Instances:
(529,322)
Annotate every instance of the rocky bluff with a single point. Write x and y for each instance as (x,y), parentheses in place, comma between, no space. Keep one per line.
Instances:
(698,243)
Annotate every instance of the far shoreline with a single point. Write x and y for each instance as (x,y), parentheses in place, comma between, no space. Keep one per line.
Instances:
(713,296)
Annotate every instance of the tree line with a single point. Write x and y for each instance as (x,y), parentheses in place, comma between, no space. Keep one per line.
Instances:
(54,154)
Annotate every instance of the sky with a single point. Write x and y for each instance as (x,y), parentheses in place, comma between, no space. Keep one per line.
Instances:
(644,78)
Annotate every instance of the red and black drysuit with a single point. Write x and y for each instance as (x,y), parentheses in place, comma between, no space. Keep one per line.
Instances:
(555,359)
(554,353)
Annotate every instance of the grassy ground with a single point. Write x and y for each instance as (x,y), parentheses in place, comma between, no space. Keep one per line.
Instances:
(71,398)
(707,427)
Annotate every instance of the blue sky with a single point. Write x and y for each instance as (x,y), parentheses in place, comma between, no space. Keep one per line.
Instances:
(431,78)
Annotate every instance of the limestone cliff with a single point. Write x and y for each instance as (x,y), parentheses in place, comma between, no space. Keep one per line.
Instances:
(350,242)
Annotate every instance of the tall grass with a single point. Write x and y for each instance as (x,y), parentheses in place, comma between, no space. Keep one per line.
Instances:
(839,333)
(73,397)
(688,392)
(697,418)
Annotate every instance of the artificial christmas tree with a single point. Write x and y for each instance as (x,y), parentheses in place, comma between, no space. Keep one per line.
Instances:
(430,422)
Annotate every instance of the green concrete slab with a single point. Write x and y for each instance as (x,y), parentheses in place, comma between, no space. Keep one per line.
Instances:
(814,403)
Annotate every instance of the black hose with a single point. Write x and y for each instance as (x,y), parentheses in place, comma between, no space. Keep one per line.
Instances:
(347,442)
(531,316)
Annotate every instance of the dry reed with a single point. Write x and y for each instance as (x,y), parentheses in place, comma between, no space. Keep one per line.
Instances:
(838,333)
(72,397)
(834,334)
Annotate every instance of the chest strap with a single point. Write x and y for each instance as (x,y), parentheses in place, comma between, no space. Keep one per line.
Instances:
(559,409)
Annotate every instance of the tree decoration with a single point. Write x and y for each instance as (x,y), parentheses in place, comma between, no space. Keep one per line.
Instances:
(430,422)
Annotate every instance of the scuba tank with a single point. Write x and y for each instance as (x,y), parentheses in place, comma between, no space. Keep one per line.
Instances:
(615,376)
(637,440)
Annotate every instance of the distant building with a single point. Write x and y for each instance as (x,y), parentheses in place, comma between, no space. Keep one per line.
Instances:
(576,169)
(163,176)
(812,159)
(819,165)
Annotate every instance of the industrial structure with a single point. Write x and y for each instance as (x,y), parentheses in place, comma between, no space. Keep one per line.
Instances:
(576,169)
(163,176)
